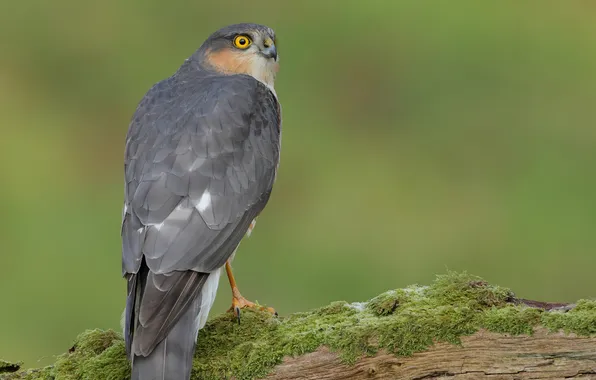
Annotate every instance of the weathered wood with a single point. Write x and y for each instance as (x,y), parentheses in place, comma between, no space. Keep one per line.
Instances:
(484,355)
(479,331)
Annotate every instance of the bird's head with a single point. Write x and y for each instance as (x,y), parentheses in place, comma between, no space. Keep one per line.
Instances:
(242,49)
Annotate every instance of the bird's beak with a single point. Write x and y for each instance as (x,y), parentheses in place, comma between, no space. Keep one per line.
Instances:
(270,51)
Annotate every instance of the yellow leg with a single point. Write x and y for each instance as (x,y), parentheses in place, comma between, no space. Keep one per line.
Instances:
(239,302)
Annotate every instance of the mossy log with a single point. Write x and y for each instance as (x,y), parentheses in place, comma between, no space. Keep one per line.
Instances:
(459,327)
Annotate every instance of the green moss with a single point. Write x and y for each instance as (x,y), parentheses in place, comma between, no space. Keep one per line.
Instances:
(462,288)
(30,374)
(580,320)
(402,321)
(514,320)
(95,354)
(384,304)
(225,347)
(7,372)
(6,367)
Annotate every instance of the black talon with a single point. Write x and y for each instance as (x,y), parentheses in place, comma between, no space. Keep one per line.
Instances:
(237,309)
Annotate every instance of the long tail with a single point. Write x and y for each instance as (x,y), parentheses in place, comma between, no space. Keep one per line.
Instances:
(172,357)
(164,313)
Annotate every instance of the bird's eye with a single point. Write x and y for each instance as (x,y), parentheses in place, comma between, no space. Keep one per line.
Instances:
(242,42)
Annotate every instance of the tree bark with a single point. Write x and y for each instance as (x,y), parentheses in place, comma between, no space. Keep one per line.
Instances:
(484,355)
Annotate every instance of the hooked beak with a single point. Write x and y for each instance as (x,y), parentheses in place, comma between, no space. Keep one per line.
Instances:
(270,51)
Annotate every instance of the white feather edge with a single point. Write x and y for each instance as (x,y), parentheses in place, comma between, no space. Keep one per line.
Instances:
(208,294)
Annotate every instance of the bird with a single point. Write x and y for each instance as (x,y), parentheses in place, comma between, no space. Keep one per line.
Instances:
(201,156)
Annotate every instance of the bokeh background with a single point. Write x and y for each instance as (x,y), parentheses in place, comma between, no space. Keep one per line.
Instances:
(418,137)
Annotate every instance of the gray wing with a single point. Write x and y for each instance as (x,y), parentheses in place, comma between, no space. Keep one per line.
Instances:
(200,162)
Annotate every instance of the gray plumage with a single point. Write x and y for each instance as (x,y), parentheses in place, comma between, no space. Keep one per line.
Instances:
(201,157)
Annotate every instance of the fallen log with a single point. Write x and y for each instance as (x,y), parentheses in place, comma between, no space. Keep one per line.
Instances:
(459,327)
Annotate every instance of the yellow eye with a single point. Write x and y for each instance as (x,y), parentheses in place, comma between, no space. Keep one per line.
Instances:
(242,42)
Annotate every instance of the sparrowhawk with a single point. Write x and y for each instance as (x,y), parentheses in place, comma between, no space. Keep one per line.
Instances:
(201,157)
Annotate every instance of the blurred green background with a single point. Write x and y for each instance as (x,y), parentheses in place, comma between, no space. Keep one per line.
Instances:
(418,137)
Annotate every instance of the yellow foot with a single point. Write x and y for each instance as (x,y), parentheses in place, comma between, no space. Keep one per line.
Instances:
(239,302)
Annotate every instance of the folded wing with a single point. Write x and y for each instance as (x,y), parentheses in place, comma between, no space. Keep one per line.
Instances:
(200,162)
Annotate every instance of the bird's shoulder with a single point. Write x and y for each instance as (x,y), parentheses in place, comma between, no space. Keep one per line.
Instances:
(172,103)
